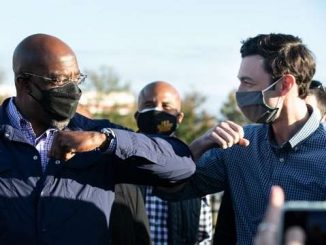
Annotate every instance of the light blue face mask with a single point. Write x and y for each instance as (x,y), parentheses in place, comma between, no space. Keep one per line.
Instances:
(253,105)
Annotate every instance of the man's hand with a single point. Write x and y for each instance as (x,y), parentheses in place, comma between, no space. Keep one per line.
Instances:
(224,135)
(67,143)
(267,230)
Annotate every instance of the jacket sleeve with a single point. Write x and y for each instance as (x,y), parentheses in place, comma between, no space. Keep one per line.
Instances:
(210,177)
(154,160)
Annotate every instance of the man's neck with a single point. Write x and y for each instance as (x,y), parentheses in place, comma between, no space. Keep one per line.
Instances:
(292,119)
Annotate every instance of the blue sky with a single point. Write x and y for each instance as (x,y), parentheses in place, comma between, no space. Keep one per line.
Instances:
(191,44)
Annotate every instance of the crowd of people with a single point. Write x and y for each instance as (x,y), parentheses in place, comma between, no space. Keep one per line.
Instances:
(68,179)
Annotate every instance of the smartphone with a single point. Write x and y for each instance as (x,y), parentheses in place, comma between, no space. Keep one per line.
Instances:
(309,215)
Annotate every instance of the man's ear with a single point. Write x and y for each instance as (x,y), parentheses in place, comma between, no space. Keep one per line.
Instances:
(180,117)
(22,83)
(136,115)
(289,81)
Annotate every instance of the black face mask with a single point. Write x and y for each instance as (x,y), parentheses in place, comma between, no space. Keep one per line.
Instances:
(156,122)
(60,102)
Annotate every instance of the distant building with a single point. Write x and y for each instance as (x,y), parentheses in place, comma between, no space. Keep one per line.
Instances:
(92,102)
(122,102)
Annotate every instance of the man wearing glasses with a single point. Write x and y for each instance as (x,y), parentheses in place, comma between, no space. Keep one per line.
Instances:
(57,168)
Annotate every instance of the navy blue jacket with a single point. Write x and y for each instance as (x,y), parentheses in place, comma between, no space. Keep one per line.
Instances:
(71,202)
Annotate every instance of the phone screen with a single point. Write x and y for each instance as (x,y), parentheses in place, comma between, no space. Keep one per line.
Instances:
(313,222)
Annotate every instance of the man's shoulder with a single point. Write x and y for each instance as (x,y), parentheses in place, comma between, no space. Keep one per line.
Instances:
(87,124)
(3,114)
(323,124)
(320,133)
(255,126)
(252,130)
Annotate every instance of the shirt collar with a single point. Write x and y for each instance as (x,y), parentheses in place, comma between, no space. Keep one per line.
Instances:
(16,119)
(308,128)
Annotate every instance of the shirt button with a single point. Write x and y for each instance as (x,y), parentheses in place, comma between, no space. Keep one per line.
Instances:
(281,159)
(42,193)
(57,162)
(35,157)
(7,135)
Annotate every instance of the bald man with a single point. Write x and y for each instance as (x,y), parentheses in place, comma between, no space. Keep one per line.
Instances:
(184,222)
(58,169)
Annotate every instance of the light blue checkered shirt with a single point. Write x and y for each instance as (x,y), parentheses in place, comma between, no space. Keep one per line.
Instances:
(42,143)
(298,166)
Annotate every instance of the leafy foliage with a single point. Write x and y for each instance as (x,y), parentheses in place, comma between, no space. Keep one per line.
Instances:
(196,121)
(114,116)
(2,98)
(106,80)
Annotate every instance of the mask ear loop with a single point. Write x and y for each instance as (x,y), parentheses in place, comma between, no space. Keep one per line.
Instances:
(268,88)
(277,103)
(272,85)
(149,109)
(278,100)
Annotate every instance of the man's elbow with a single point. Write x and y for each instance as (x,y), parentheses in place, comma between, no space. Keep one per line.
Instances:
(183,172)
(190,170)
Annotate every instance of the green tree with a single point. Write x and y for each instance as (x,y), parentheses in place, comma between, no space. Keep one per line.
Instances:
(114,116)
(106,80)
(196,120)
(230,110)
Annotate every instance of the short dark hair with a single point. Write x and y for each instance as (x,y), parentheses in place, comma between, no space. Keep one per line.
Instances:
(283,54)
(318,90)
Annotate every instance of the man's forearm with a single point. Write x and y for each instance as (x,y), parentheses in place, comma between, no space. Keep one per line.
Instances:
(168,157)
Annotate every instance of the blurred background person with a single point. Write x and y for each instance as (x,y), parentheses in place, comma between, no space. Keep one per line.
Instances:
(183,222)
(317,98)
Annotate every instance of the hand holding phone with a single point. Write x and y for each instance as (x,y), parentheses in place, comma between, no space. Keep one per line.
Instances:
(309,216)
